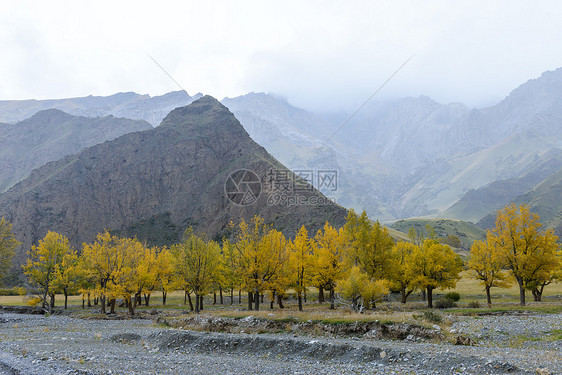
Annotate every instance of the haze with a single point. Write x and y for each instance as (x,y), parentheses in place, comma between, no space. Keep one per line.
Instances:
(320,55)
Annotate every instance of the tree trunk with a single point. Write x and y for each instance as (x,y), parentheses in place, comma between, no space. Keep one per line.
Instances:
(261,298)
(83,301)
(66,299)
(521,292)
(430,297)
(321,298)
(280,301)
(52,300)
(197,303)
(231,296)
(304,294)
(257,300)
(239,296)
(147,299)
(214,298)
(201,302)
(164,295)
(403,294)
(299,297)
(189,299)
(488,296)
(332,299)
(423,297)
(250,301)
(102,310)
(131,308)
(220,296)
(539,292)
(89,301)
(112,304)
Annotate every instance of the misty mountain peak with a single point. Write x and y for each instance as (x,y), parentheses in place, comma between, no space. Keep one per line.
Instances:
(49,117)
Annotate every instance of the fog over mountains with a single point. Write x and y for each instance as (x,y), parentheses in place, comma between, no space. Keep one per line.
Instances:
(396,159)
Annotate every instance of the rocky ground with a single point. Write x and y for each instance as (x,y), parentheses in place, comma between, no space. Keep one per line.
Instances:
(37,344)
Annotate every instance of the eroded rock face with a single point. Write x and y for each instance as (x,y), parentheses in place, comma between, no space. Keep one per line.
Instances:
(155,183)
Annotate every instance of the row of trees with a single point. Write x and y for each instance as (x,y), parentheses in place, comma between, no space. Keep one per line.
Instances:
(359,262)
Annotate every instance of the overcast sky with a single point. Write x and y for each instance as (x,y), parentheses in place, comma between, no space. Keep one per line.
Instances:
(321,55)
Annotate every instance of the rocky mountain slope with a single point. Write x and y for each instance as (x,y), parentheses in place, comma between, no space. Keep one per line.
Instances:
(50,135)
(399,158)
(157,182)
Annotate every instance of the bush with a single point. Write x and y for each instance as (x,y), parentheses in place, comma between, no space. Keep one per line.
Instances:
(430,316)
(453,296)
(474,305)
(445,304)
(16,291)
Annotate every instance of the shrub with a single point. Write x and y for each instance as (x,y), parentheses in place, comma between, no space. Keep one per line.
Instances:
(474,305)
(445,304)
(430,316)
(453,296)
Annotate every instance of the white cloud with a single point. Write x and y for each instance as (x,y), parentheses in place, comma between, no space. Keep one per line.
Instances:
(320,54)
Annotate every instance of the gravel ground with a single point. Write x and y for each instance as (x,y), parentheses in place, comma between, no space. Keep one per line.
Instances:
(34,344)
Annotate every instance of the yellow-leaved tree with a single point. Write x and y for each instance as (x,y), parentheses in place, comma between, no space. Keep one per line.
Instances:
(43,263)
(531,254)
(260,256)
(401,256)
(488,265)
(361,290)
(166,272)
(300,263)
(369,246)
(432,266)
(196,262)
(329,259)
(111,261)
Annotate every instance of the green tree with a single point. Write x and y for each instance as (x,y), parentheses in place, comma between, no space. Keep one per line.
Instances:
(8,244)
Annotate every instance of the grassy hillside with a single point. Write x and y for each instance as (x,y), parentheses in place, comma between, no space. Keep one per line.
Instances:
(466,232)
(544,200)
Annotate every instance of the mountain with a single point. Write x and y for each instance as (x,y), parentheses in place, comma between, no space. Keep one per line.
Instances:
(466,232)
(402,158)
(127,104)
(477,203)
(51,134)
(155,183)
(544,199)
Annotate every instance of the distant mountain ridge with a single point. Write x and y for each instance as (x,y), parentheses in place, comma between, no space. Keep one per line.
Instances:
(155,183)
(405,158)
(50,135)
(125,104)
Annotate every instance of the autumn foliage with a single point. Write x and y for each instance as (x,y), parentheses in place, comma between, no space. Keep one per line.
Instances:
(356,265)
